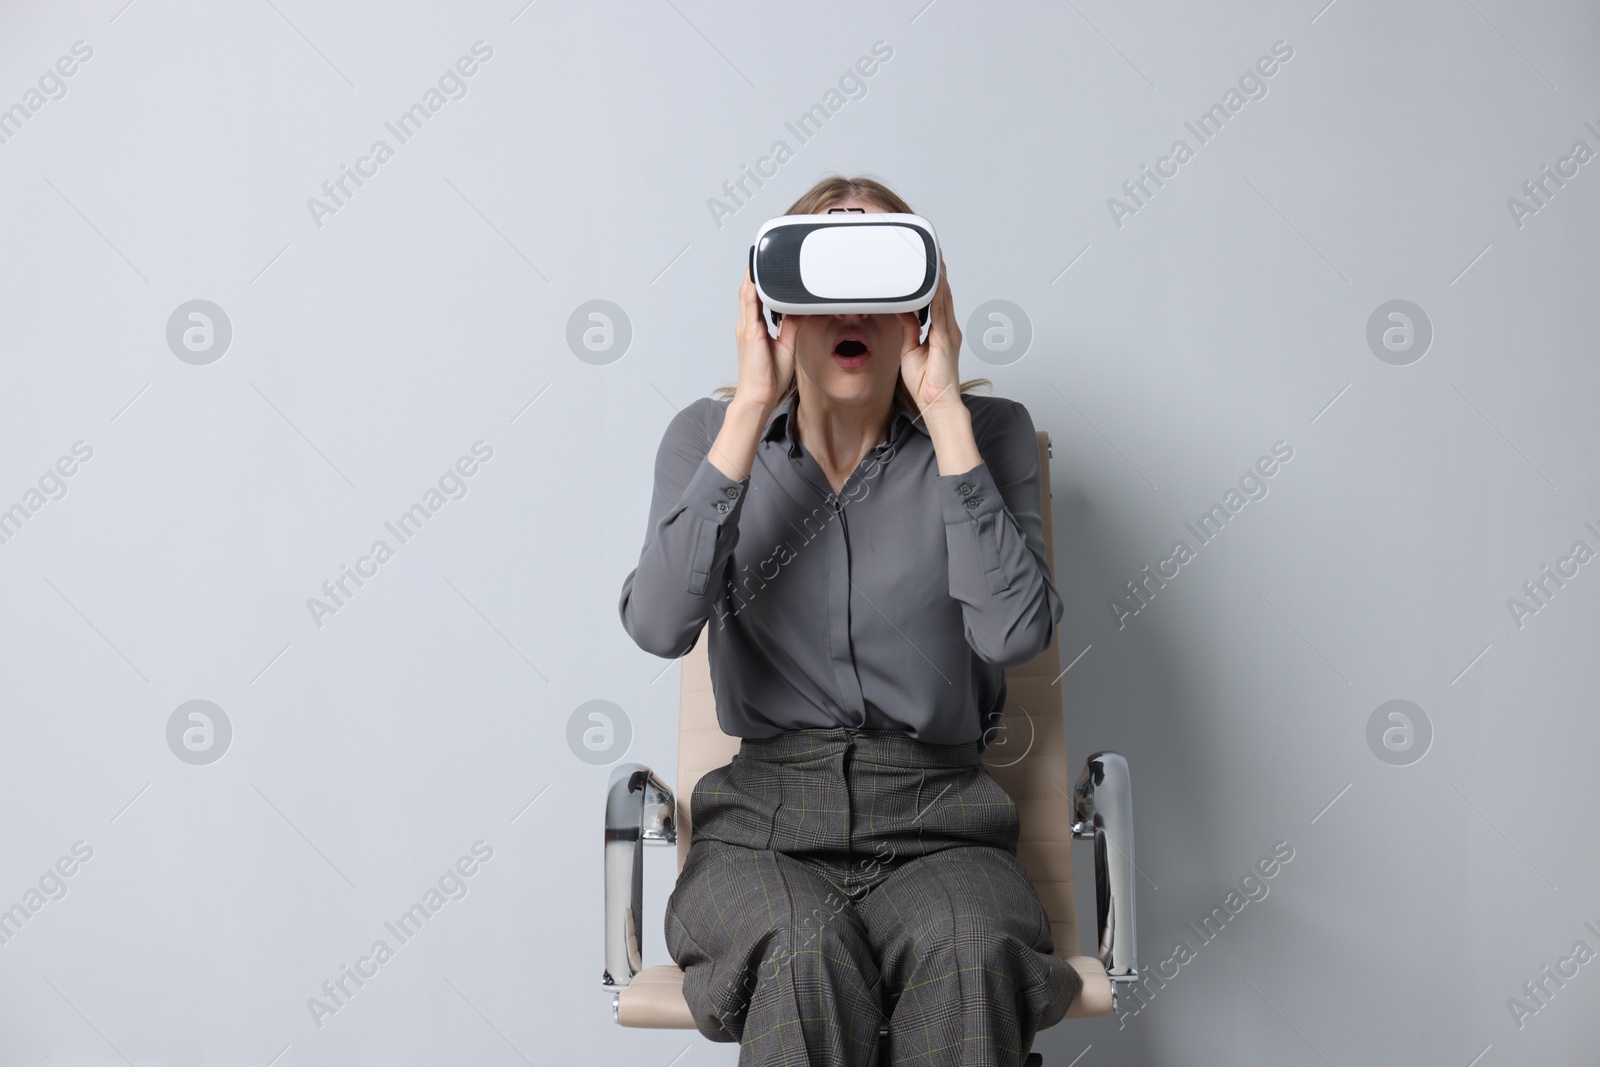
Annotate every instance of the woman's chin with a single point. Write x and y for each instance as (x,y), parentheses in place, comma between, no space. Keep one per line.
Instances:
(850,386)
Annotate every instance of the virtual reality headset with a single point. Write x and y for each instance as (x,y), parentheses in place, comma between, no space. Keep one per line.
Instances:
(845,262)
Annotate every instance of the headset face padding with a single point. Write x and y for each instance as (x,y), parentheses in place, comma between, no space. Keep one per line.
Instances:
(876,264)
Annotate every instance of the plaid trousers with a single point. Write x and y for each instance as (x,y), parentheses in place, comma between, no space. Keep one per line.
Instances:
(839,879)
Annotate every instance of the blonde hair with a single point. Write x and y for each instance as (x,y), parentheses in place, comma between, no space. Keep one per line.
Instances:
(830,191)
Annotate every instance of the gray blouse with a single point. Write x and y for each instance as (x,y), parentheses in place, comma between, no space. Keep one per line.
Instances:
(895,604)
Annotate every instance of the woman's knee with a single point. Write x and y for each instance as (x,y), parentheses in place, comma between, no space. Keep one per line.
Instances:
(815,943)
(750,910)
(966,904)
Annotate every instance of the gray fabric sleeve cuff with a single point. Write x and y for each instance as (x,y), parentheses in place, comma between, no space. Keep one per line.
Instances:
(714,496)
(970,496)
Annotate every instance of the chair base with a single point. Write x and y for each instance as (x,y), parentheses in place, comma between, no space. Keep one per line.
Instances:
(654,999)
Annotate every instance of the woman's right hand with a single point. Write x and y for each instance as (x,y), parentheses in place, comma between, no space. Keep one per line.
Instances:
(766,366)
(766,363)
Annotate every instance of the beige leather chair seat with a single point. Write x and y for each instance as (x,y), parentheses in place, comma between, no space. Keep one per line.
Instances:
(654,998)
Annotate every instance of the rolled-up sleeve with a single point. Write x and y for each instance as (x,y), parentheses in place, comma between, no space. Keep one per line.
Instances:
(692,531)
(994,528)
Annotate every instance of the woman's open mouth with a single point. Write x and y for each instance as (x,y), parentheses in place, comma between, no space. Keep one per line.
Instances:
(850,351)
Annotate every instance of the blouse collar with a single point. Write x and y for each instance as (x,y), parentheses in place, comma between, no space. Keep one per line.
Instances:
(781,422)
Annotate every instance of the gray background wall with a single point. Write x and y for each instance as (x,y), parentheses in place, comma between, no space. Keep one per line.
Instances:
(370,748)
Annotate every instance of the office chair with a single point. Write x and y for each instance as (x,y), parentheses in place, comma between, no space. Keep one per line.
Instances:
(641,810)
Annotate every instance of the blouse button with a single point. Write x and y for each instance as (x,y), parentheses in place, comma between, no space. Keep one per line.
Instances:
(964,488)
(973,502)
(731,491)
(721,505)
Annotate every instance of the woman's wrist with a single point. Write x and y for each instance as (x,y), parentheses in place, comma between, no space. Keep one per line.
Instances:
(950,427)
(734,451)
(756,410)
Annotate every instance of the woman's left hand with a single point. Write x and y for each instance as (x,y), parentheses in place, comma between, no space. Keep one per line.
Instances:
(931,369)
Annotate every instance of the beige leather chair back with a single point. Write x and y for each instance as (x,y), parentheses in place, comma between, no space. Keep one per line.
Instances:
(1028,758)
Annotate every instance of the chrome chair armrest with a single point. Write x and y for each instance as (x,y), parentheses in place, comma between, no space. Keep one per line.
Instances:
(640,810)
(1103,813)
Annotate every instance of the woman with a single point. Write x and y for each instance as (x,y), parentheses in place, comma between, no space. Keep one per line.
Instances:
(865,540)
